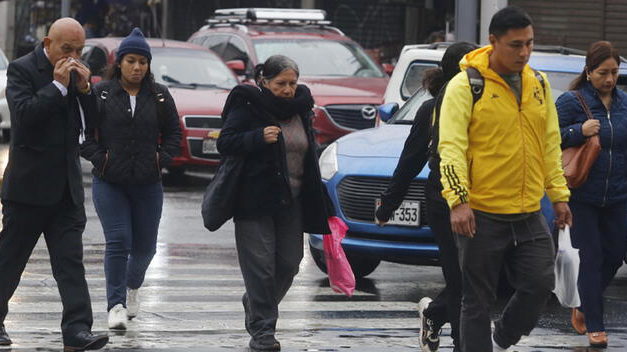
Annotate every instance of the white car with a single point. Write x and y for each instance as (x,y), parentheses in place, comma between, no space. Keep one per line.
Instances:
(560,64)
(5,118)
(413,61)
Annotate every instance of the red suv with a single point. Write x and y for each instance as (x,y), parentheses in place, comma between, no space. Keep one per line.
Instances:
(199,83)
(346,83)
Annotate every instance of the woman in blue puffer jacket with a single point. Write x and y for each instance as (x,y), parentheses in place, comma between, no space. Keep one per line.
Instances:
(599,206)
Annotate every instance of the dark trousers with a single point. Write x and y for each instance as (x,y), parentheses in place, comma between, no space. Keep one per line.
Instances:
(446,306)
(62,225)
(599,234)
(524,249)
(130,216)
(269,249)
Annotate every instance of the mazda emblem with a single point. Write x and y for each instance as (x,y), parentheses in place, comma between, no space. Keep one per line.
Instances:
(368,112)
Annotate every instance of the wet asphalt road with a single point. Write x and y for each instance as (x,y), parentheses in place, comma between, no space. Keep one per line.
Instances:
(191,297)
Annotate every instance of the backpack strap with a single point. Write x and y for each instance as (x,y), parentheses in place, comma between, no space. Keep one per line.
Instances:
(160,104)
(540,78)
(477,83)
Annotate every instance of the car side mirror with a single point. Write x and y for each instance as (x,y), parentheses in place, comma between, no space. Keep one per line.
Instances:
(237,66)
(386,111)
(388,68)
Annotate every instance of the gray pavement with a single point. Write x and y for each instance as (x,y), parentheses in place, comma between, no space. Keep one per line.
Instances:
(191,297)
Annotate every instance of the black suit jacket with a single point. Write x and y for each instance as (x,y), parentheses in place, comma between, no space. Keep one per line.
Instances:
(45,125)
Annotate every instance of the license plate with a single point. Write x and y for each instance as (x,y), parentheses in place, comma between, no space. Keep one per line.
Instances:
(209,146)
(407,214)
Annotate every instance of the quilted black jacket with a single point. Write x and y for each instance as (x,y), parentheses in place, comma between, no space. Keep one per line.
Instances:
(123,148)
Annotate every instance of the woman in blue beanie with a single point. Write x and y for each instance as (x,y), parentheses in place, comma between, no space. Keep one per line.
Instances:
(136,135)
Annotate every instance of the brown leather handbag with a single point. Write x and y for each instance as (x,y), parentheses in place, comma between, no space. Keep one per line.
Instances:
(577,161)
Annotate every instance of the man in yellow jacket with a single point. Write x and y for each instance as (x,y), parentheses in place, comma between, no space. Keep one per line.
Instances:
(499,155)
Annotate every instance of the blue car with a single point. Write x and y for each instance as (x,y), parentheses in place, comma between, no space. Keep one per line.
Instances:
(356,169)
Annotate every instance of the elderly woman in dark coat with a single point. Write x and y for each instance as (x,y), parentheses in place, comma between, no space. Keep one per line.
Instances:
(280,193)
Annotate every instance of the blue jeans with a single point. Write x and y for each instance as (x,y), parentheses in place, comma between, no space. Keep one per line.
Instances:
(130,216)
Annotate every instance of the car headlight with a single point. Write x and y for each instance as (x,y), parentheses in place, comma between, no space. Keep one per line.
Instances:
(328,162)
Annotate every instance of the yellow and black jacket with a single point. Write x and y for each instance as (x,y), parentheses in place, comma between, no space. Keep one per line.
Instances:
(498,155)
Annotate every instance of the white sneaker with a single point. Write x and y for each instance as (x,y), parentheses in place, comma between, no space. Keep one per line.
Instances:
(132,302)
(496,347)
(117,317)
(429,334)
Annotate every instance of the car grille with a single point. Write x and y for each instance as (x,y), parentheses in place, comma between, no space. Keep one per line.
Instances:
(357,196)
(350,116)
(195,149)
(204,122)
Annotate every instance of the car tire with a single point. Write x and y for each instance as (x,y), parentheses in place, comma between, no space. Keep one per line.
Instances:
(361,266)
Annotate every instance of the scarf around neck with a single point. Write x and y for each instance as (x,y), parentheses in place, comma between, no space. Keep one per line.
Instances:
(272,106)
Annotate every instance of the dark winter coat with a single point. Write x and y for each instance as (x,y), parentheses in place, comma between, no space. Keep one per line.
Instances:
(123,148)
(413,158)
(43,158)
(264,185)
(607,181)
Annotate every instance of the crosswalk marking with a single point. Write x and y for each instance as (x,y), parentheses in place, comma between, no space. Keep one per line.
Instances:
(200,294)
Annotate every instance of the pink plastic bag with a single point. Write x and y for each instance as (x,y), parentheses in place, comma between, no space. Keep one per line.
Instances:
(340,273)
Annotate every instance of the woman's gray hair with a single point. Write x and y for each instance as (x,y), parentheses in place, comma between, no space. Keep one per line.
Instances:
(273,66)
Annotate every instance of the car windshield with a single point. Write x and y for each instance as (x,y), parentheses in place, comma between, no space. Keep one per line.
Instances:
(188,68)
(3,61)
(321,57)
(559,84)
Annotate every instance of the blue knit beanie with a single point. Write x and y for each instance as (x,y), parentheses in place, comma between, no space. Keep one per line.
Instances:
(135,43)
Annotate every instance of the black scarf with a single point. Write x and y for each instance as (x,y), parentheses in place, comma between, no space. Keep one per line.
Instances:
(272,106)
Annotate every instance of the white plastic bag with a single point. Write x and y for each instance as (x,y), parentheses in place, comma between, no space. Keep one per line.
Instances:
(566,271)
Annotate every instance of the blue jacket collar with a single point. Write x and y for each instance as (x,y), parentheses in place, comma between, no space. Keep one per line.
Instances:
(589,90)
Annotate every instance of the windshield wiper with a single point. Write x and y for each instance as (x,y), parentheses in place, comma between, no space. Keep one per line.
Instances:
(176,83)
(173,82)
(209,85)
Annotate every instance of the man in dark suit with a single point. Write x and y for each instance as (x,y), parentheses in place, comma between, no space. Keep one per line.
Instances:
(50,101)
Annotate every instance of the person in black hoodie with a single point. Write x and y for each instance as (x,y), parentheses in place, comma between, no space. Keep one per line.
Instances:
(137,134)
(280,193)
(421,144)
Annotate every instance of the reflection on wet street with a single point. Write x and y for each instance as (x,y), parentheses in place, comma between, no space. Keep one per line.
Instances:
(191,299)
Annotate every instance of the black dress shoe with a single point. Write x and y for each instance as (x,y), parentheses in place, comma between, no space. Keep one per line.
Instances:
(264,343)
(4,337)
(84,341)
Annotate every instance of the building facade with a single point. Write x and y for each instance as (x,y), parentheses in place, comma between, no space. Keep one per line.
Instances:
(578,23)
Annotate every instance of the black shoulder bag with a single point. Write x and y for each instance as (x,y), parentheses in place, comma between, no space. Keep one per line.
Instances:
(218,203)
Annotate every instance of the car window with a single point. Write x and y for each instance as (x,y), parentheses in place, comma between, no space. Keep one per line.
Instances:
(321,57)
(198,40)
(189,68)
(4,63)
(408,111)
(96,59)
(412,81)
(216,43)
(235,49)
